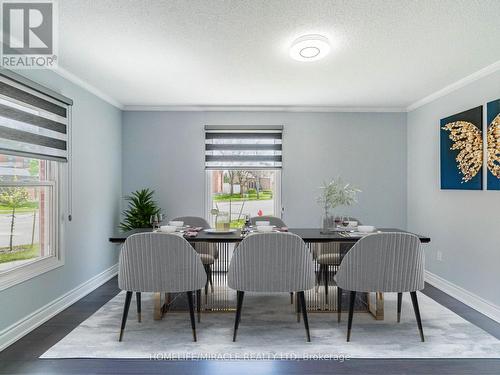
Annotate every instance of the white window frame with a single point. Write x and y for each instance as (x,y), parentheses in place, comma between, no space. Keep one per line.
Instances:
(278,208)
(36,267)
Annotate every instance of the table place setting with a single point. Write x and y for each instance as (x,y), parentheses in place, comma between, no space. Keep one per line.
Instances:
(264,226)
(356,231)
(178,227)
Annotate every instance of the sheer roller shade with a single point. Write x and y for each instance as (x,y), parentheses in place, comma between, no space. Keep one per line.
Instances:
(32,123)
(243,148)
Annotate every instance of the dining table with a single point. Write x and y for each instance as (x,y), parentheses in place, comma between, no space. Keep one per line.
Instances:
(222,298)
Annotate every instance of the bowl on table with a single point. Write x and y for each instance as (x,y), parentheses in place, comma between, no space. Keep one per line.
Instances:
(366,228)
(175,223)
(264,228)
(262,223)
(168,228)
(353,224)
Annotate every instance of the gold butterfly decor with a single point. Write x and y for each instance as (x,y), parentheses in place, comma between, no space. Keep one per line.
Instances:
(468,139)
(493,139)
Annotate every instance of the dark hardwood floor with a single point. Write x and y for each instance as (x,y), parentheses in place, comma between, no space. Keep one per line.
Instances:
(22,357)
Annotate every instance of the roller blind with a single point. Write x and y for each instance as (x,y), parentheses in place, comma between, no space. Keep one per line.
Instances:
(33,122)
(258,147)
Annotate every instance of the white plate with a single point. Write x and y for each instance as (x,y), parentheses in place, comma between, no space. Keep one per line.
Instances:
(344,229)
(215,231)
(357,234)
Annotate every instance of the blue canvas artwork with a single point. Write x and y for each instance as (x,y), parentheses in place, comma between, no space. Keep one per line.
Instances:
(462,150)
(493,144)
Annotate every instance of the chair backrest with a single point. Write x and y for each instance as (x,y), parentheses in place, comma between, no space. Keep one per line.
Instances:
(194,221)
(159,262)
(383,262)
(271,262)
(273,220)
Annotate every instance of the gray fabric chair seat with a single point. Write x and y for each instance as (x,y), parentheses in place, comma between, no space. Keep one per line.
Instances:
(159,262)
(207,259)
(329,259)
(383,262)
(271,262)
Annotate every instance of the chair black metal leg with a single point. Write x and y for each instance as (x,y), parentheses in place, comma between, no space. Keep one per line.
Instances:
(198,304)
(138,299)
(206,266)
(297,308)
(291,298)
(210,278)
(417,314)
(191,313)
(351,313)
(128,298)
(400,299)
(239,304)
(319,274)
(339,304)
(302,299)
(325,276)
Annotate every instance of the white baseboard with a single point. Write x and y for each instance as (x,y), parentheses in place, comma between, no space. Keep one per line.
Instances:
(24,326)
(470,299)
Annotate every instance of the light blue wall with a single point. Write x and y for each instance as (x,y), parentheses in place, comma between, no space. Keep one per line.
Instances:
(96,201)
(463,224)
(165,151)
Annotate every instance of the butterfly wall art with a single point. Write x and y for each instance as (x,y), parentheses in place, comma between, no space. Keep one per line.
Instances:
(493,144)
(462,150)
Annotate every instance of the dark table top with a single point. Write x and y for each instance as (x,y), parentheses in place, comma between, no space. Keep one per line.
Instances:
(307,234)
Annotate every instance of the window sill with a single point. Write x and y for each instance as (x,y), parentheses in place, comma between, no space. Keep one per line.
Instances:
(28,271)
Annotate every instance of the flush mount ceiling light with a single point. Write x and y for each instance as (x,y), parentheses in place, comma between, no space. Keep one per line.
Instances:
(309,48)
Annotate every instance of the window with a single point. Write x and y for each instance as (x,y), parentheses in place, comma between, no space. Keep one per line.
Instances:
(27,210)
(243,172)
(34,156)
(239,192)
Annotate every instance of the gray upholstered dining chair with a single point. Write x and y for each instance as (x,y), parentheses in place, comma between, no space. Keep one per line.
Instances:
(208,251)
(273,220)
(271,262)
(277,222)
(159,262)
(384,262)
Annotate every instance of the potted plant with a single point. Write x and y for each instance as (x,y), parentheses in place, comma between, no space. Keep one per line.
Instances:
(334,194)
(141,207)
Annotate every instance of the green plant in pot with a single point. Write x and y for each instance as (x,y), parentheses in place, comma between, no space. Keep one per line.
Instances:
(334,194)
(141,207)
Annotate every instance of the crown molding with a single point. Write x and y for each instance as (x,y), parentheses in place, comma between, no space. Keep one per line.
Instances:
(490,69)
(87,86)
(257,108)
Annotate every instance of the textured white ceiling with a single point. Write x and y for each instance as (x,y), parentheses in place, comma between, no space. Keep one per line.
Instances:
(202,52)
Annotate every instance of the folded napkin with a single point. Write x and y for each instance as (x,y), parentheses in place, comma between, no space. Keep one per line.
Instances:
(191,233)
(283,229)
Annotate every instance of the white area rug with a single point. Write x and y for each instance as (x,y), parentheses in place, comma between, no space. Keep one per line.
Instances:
(269,330)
